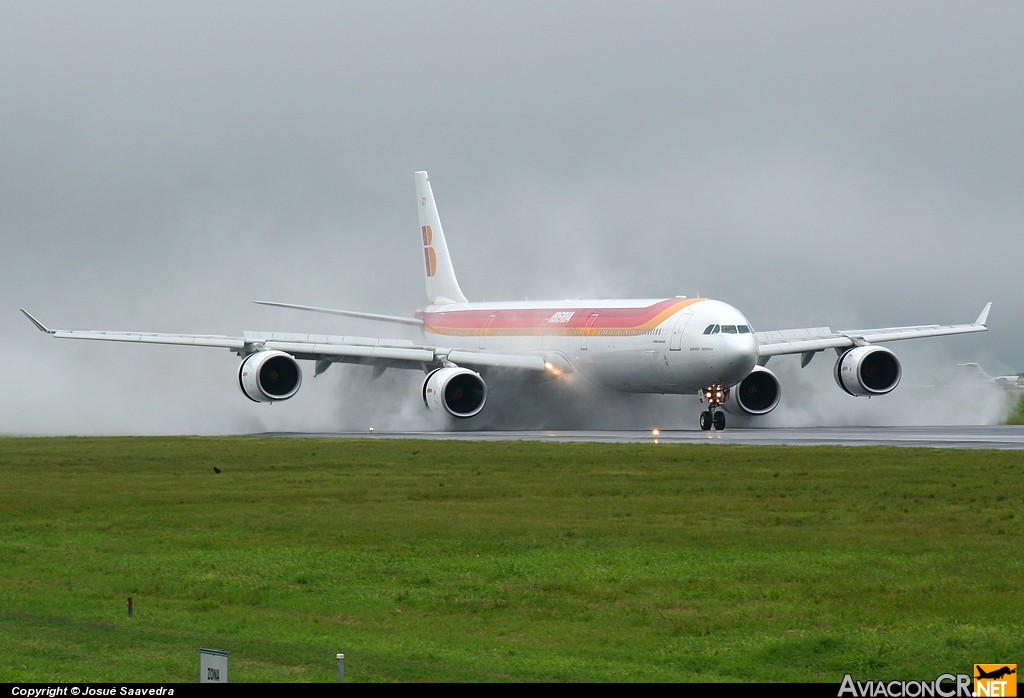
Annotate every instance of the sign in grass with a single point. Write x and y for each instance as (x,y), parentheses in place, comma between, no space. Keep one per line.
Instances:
(213,666)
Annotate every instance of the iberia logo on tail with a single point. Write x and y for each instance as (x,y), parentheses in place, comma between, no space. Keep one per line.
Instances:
(429,256)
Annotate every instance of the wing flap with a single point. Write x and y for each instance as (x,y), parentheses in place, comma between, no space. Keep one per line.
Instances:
(528,362)
(223,342)
(385,353)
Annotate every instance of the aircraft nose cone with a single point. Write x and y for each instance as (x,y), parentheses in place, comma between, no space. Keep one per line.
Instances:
(739,354)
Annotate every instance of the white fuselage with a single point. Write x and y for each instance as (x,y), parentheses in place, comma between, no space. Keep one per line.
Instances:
(674,345)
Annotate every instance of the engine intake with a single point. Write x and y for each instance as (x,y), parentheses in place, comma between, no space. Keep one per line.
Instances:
(269,376)
(758,393)
(867,371)
(458,391)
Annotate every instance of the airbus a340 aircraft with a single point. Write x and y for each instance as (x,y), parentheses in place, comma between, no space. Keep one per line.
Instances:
(686,346)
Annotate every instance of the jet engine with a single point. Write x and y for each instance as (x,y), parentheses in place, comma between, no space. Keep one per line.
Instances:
(758,393)
(458,391)
(868,370)
(268,376)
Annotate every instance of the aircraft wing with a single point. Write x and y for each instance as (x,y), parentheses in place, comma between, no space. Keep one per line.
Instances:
(400,353)
(809,340)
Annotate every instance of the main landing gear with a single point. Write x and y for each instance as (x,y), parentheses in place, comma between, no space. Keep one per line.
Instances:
(712,418)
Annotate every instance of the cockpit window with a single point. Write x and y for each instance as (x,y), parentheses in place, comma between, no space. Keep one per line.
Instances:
(727,329)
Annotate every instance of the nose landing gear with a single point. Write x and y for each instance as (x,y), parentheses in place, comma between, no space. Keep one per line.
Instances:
(711,418)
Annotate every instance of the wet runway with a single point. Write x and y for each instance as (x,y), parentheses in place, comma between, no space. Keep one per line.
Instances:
(1001,437)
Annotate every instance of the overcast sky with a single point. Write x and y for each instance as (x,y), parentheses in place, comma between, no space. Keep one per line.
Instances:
(162,164)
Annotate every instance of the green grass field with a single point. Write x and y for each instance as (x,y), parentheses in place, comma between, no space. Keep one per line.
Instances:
(434,561)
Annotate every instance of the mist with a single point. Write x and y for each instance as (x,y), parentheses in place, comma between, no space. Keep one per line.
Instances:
(162,165)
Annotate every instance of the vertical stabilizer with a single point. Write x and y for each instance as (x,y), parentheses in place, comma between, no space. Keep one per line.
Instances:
(442,286)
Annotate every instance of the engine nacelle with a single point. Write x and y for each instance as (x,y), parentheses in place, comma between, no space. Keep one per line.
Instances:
(758,393)
(269,376)
(869,370)
(458,391)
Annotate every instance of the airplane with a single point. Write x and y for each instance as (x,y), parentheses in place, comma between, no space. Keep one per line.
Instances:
(686,346)
(1014,382)
(996,673)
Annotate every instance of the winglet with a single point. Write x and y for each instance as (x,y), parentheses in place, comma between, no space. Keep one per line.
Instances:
(983,318)
(40,326)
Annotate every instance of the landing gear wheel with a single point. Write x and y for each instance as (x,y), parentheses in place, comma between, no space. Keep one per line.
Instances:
(705,420)
(718,418)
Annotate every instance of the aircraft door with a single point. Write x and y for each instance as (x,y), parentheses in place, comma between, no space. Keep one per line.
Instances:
(676,341)
(587,330)
(485,331)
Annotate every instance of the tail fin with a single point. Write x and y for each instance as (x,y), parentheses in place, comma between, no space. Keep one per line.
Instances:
(442,286)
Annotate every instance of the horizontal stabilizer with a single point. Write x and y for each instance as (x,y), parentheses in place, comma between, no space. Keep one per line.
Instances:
(394,319)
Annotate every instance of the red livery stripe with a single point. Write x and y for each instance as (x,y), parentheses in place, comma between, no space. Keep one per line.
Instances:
(552,320)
